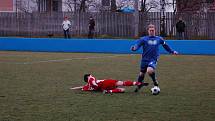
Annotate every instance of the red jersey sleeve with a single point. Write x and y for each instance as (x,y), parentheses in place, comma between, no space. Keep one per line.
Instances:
(92,83)
(87,88)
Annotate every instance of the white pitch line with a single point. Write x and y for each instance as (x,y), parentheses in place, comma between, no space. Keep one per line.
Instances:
(5,55)
(62,60)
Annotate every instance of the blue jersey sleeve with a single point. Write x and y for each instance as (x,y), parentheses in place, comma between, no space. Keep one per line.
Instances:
(139,43)
(165,45)
(162,40)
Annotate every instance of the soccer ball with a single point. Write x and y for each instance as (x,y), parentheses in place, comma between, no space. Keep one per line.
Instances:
(155,90)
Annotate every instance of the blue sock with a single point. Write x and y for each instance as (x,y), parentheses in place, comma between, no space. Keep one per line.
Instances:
(141,79)
(154,79)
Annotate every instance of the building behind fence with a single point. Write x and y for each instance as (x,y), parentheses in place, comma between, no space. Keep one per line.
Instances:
(110,24)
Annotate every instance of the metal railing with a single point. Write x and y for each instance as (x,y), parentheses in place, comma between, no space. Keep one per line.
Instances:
(113,24)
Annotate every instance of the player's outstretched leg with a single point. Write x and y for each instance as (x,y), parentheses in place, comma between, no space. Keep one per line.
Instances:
(116,90)
(140,79)
(127,83)
(131,83)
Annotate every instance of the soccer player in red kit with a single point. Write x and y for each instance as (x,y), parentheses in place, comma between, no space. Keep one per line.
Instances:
(107,85)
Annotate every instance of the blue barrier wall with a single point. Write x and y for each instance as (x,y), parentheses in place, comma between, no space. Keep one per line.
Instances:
(204,47)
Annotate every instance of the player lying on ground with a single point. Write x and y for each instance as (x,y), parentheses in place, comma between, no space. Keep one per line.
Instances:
(107,85)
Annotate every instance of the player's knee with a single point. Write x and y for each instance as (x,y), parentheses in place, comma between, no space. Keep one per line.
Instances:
(122,89)
(150,70)
(119,83)
(141,74)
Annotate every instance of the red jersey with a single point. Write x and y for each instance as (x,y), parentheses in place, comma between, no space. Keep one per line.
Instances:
(99,85)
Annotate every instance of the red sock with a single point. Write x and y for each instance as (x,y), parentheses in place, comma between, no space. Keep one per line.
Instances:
(115,91)
(128,83)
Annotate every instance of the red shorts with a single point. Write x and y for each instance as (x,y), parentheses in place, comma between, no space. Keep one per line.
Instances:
(108,84)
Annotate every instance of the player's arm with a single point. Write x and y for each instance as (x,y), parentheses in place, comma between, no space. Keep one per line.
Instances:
(92,81)
(167,47)
(91,85)
(137,45)
(87,88)
(70,23)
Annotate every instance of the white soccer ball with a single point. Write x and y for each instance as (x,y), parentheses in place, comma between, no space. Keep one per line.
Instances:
(155,90)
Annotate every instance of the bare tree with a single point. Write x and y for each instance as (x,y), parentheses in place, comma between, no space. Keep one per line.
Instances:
(146,5)
(81,5)
(85,5)
(27,6)
(174,6)
(113,5)
(124,3)
(120,4)
(188,5)
(143,5)
(70,5)
(94,5)
(22,6)
(36,4)
(152,4)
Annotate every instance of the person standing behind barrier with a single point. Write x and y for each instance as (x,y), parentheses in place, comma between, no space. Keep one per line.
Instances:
(91,28)
(180,28)
(66,26)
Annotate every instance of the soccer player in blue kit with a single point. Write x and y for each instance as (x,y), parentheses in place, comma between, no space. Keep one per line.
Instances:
(150,45)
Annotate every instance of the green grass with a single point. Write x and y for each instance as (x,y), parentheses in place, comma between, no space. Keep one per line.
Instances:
(34,89)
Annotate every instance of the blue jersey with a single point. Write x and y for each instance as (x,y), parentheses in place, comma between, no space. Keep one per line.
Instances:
(150,46)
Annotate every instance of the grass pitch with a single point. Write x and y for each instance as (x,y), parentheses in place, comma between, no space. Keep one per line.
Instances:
(35,87)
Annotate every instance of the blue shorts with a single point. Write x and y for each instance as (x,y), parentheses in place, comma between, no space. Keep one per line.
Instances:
(145,64)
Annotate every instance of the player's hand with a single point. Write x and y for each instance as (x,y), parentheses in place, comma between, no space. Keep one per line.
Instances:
(175,53)
(133,48)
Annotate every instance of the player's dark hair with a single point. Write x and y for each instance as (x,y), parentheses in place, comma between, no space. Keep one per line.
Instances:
(86,77)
